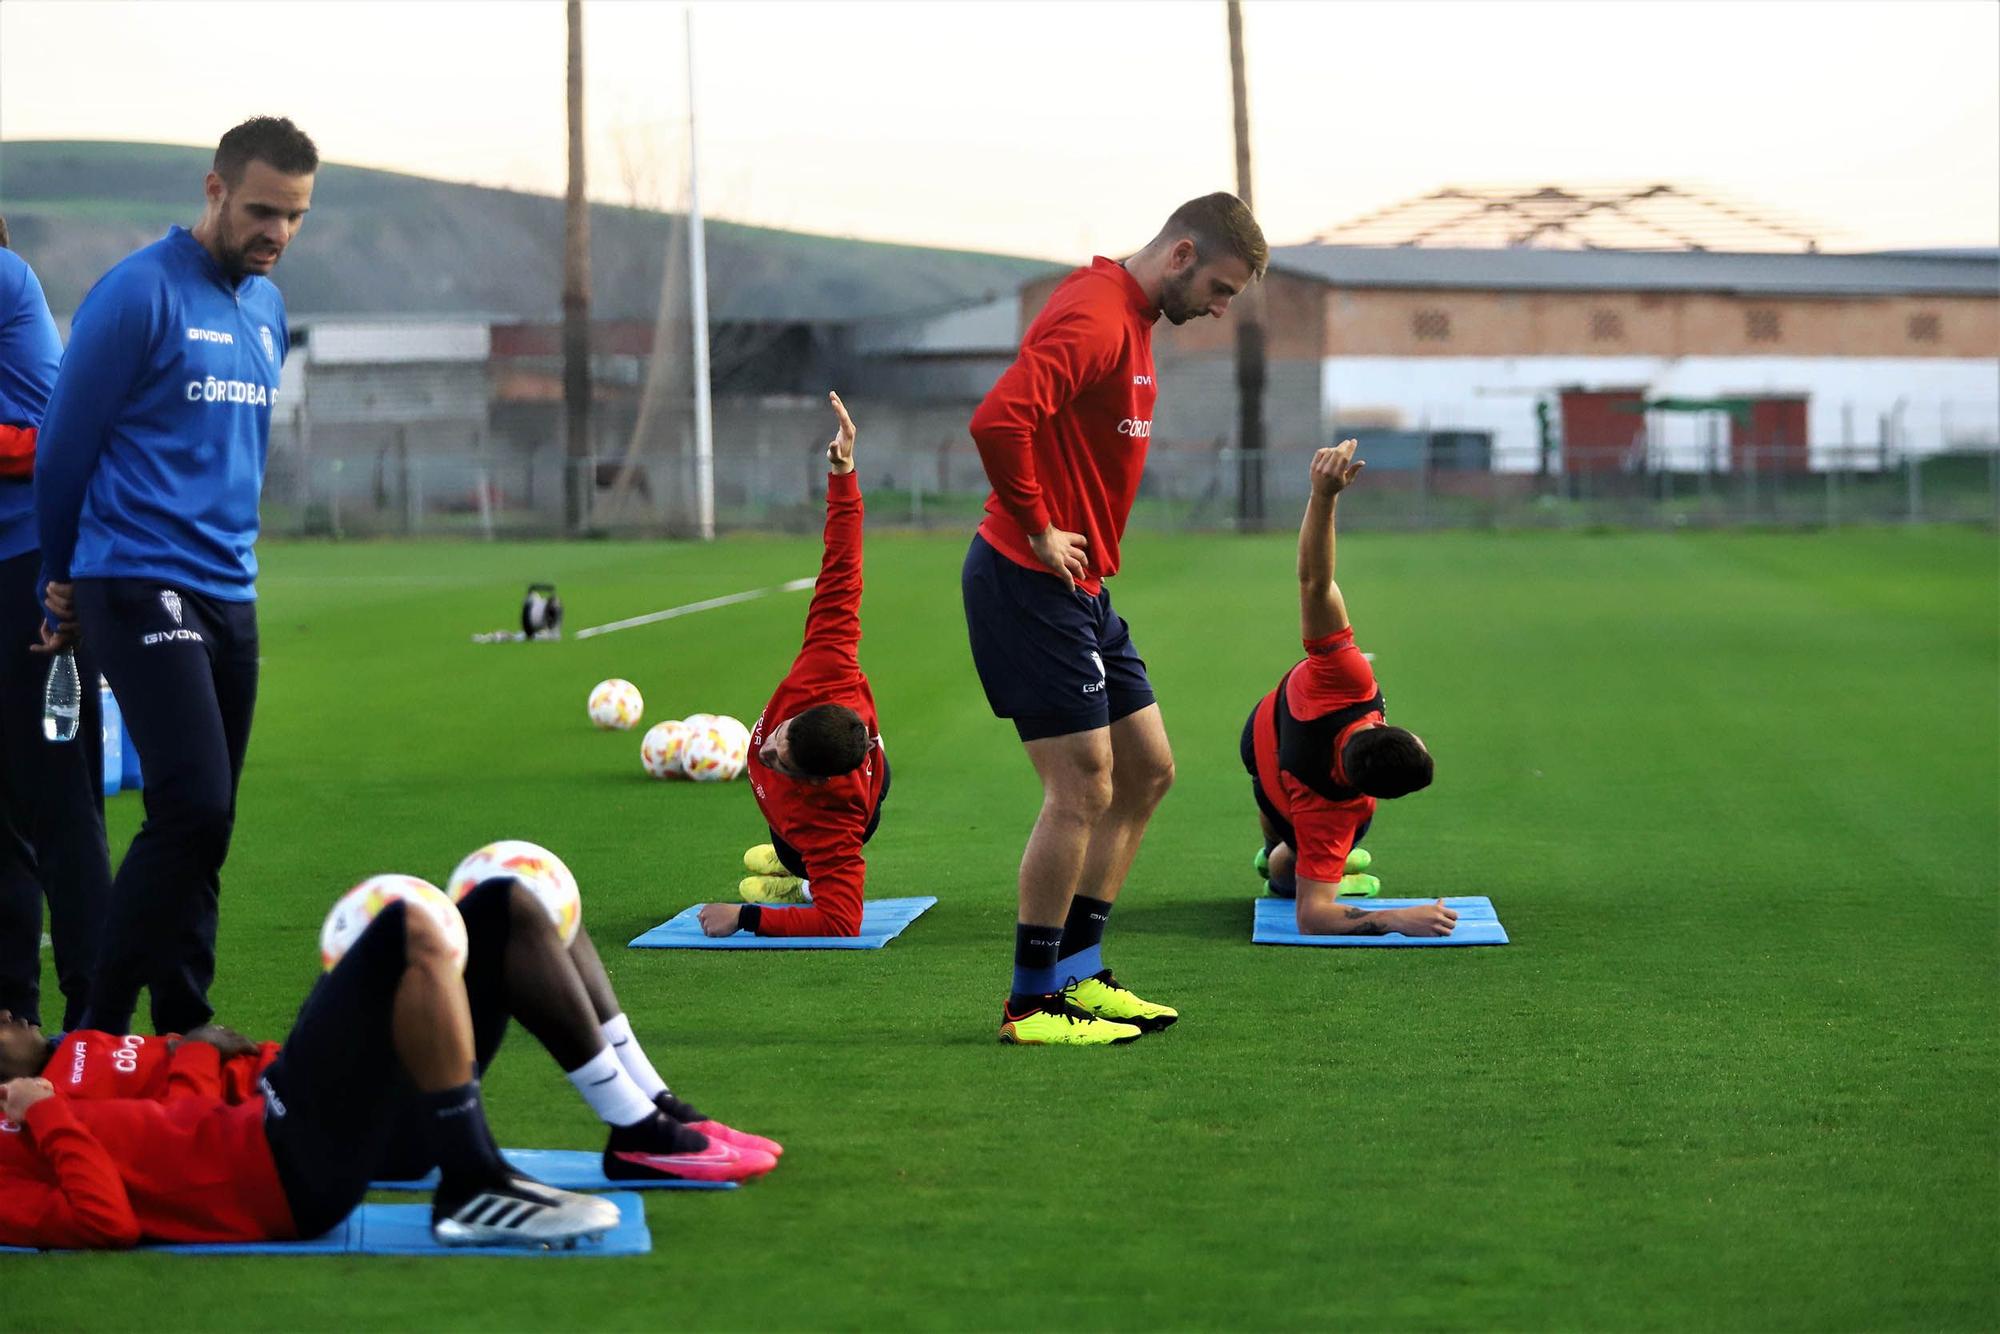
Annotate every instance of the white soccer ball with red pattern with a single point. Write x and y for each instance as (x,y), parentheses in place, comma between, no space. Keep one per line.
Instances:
(712,756)
(660,751)
(699,722)
(534,866)
(738,734)
(366,901)
(616,705)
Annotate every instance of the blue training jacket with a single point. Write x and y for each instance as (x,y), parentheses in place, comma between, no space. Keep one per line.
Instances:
(30,351)
(151,458)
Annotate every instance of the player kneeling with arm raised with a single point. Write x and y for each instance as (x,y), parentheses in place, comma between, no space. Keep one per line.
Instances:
(816,762)
(1320,751)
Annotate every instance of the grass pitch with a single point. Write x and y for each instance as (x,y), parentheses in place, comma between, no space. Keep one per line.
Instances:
(1734,795)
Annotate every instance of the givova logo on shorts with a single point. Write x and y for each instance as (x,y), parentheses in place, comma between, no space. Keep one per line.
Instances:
(1097,662)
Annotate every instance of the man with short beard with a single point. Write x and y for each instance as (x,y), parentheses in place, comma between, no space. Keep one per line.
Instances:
(147,478)
(1063,435)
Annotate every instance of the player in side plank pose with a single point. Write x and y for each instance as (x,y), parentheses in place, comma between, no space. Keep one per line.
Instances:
(377,1080)
(1320,751)
(1063,436)
(816,764)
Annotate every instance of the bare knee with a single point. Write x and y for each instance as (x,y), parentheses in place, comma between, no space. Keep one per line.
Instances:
(426,945)
(1145,784)
(1081,792)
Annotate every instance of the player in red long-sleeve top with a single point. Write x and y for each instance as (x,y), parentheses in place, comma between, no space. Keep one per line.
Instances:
(390,1030)
(88,1064)
(816,761)
(1319,747)
(1063,435)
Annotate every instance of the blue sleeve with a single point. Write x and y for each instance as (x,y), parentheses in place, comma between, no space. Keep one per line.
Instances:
(110,344)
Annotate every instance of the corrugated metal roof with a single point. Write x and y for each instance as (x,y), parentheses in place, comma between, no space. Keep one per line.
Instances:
(1976,273)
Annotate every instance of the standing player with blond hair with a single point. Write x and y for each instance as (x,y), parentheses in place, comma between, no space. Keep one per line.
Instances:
(1063,435)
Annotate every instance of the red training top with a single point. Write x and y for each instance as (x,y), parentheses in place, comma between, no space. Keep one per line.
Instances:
(1063,433)
(1332,676)
(95,1066)
(826,820)
(190,1167)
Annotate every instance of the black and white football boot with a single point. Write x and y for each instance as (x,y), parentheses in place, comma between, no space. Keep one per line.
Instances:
(518,1211)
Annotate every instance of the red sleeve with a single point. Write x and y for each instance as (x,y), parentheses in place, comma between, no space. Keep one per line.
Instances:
(17,451)
(1332,676)
(87,1205)
(1078,346)
(194,1071)
(240,1074)
(831,655)
(832,852)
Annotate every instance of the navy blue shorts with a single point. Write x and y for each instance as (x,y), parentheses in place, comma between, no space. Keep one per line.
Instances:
(1054,660)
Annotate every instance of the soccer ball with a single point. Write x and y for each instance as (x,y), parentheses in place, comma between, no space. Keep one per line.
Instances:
(364,903)
(739,735)
(716,754)
(616,705)
(534,866)
(660,752)
(699,722)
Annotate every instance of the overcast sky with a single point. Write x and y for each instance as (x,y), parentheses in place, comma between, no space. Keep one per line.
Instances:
(1062,129)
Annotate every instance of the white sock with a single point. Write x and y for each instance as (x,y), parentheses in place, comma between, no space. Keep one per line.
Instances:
(610,1091)
(617,1031)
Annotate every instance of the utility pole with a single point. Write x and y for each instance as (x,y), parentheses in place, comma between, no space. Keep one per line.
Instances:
(576,297)
(704,422)
(1249,313)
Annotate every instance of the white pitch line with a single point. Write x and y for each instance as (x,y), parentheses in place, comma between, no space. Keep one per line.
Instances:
(706,604)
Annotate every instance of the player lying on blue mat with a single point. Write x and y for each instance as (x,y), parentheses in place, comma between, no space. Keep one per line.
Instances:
(1320,750)
(92,1065)
(376,1080)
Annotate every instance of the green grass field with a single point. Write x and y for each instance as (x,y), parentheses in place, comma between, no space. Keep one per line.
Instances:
(1734,795)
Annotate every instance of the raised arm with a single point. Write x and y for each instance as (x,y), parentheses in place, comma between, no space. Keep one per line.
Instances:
(1322,610)
(833,623)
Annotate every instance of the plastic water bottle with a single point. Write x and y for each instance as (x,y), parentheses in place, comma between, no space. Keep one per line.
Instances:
(62,699)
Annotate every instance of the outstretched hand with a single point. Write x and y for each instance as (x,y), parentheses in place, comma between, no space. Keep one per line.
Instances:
(1334,469)
(840,449)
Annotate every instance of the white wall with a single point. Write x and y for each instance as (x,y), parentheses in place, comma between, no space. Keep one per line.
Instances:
(1937,403)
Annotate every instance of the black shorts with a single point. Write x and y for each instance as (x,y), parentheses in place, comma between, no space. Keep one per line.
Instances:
(338,1110)
(1248,750)
(1054,660)
(792,860)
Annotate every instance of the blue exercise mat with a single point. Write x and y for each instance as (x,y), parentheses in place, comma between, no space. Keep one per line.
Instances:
(1478,924)
(565,1169)
(882,920)
(405,1229)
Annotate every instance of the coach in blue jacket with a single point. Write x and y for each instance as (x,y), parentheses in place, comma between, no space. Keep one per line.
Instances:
(147,480)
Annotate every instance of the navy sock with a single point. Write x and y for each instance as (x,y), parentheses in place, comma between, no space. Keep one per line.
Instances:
(1035,951)
(1083,934)
(455,1125)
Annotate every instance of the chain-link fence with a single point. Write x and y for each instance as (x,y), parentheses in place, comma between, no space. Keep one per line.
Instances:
(396,489)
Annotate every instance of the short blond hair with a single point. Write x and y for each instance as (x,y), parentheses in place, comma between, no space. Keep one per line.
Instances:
(1220,224)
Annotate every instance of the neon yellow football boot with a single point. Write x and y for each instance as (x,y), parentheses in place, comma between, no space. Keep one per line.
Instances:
(763,860)
(1055,1023)
(1359,886)
(1102,996)
(1358,861)
(781,889)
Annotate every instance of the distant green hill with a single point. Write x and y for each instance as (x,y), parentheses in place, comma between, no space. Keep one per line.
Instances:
(381,242)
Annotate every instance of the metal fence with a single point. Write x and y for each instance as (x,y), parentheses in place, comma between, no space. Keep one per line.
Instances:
(403,491)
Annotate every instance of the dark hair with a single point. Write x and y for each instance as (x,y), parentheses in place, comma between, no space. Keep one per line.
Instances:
(1387,762)
(273,140)
(4,238)
(828,740)
(1221,224)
